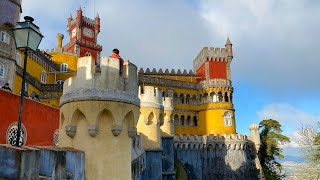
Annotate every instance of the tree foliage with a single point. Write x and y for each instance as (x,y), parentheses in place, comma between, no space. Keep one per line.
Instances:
(271,138)
(310,143)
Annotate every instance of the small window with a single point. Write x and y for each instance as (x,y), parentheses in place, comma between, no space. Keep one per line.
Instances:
(5,37)
(88,54)
(18,59)
(64,67)
(60,82)
(43,77)
(12,133)
(56,137)
(227,118)
(1,70)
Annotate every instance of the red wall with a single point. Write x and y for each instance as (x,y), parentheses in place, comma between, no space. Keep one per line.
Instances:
(39,120)
(201,73)
(218,69)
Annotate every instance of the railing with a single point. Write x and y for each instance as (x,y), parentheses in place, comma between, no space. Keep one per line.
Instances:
(39,86)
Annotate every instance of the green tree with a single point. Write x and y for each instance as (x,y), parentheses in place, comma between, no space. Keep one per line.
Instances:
(271,138)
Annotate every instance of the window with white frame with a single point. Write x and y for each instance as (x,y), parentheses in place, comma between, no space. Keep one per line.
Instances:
(43,77)
(64,67)
(1,70)
(5,37)
(18,59)
(60,82)
(227,118)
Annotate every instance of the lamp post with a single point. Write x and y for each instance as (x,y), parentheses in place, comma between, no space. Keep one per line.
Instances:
(27,37)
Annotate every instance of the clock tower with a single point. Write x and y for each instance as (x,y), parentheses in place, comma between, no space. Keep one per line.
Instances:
(83,34)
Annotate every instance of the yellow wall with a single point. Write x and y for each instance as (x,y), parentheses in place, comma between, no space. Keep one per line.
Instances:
(34,69)
(210,119)
(60,58)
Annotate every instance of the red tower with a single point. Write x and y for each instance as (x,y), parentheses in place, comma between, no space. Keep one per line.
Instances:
(214,63)
(83,34)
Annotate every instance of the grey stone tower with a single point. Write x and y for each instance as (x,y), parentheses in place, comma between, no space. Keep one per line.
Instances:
(10,11)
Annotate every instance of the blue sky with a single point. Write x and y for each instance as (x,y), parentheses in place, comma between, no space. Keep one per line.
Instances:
(275,68)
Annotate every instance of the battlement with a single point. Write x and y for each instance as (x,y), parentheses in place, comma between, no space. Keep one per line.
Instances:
(230,141)
(166,72)
(150,97)
(108,84)
(210,54)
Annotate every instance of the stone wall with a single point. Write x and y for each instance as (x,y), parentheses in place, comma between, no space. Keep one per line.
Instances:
(216,157)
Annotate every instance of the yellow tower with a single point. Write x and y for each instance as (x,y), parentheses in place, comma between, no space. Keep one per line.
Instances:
(99,113)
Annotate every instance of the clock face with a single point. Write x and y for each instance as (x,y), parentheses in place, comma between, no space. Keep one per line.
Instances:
(74,32)
(87,32)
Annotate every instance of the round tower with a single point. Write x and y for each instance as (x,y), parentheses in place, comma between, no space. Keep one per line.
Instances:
(150,120)
(98,115)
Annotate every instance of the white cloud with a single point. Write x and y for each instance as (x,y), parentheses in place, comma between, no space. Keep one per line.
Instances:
(275,41)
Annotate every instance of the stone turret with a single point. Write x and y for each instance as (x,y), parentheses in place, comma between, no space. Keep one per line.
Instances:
(150,120)
(255,135)
(151,116)
(98,115)
(167,129)
(59,42)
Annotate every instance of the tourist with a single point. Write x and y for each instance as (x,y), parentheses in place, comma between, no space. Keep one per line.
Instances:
(6,87)
(115,54)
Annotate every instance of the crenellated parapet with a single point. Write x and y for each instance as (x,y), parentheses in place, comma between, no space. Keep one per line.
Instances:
(210,54)
(151,97)
(108,84)
(166,72)
(195,142)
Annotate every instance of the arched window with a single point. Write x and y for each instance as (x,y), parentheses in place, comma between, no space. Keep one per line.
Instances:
(64,67)
(212,97)
(188,123)
(182,120)
(226,99)
(181,98)
(12,134)
(205,98)
(88,54)
(194,99)
(176,120)
(1,70)
(227,118)
(43,77)
(188,99)
(195,121)
(60,82)
(175,98)
(220,97)
(18,59)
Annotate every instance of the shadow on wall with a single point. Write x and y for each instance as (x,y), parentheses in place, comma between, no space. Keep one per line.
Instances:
(221,160)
